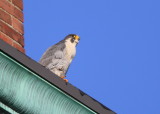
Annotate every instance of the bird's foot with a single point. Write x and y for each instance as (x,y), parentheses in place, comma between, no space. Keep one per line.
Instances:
(64,79)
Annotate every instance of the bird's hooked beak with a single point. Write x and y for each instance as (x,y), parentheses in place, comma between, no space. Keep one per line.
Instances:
(77,41)
(77,38)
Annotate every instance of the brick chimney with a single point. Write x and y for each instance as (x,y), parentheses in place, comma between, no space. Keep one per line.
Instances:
(11,23)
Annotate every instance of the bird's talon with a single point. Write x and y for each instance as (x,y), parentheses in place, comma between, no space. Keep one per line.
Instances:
(63,77)
(65,80)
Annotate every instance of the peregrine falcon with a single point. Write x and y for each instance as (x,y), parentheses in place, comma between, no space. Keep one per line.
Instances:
(58,57)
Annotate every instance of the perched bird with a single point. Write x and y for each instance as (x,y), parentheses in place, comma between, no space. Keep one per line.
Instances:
(58,57)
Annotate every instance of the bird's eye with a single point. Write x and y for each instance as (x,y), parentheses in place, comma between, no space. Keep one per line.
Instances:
(72,40)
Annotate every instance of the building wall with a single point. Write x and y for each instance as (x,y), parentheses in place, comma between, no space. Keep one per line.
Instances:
(11,23)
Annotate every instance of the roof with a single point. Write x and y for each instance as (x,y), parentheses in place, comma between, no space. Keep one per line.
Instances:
(34,77)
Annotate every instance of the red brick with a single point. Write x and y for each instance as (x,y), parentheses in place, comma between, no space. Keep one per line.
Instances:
(9,0)
(18,14)
(18,25)
(5,17)
(18,3)
(19,47)
(4,4)
(11,42)
(11,33)
(7,6)
(6,38)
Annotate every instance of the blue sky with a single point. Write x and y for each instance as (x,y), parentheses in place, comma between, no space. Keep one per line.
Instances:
(118,57)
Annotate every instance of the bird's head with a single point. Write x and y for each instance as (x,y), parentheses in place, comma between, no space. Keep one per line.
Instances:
(73,38)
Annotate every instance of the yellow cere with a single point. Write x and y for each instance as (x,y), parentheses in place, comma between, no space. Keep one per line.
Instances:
(76,37)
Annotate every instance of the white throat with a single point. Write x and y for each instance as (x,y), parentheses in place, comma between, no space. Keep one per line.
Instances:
(70,49)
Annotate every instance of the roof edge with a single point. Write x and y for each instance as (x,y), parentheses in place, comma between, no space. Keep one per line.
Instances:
(53,79)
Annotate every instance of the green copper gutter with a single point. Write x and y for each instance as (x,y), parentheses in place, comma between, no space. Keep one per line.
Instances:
(24,91)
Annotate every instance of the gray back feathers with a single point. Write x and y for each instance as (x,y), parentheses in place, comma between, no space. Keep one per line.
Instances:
(54,59)
(54,51)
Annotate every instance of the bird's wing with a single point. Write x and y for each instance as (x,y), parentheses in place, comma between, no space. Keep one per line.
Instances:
(53,55)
